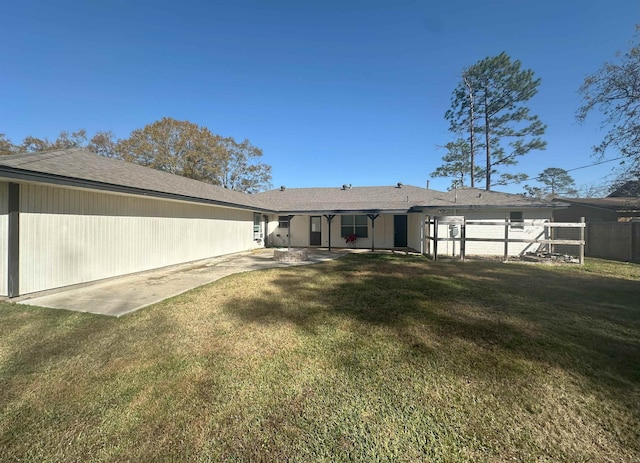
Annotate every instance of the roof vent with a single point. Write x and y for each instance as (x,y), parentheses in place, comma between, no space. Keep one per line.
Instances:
(346,187)
(479,195)
(282,188)
(399,185)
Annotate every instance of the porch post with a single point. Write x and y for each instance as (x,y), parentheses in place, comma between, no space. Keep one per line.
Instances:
(581,255)
(373,218)
(507,223)
(435,237)
(329,218)
(289,231)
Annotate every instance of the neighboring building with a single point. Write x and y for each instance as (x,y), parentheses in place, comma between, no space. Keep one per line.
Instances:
(611,209)
(70,216)
(630,189)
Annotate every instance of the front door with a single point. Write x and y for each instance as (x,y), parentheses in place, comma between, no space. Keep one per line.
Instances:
(315,234)
(399,231)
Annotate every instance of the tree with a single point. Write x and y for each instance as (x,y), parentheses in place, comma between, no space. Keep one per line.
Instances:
(184,148)
(490,101)
(241,171)
(555,182)
(104,144)
(6,147)
(65,140)
(614,91)
(462,118)
(457,163)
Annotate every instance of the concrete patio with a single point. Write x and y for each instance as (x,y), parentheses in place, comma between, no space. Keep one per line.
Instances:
(121,295)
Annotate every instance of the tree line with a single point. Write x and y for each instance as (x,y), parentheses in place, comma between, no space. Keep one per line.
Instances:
(179,147)
(490,119)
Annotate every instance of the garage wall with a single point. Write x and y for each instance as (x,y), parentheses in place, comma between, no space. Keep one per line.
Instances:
(4,236)
(72,236)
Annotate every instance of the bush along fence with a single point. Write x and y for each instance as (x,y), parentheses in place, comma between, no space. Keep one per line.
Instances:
(462,237)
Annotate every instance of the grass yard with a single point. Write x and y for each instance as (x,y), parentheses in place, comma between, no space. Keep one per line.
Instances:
(367,358)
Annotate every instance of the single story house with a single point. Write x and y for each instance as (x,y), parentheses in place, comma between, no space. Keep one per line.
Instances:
(71,216)
(610,209)
(388,217)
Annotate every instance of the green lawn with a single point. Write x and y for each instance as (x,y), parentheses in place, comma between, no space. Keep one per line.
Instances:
(367,358)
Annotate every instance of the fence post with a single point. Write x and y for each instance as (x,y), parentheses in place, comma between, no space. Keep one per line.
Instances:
(435,238)
(581,255)
(463,239)
(506,239)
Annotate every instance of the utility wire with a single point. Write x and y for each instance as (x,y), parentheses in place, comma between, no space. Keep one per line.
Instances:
(566,170)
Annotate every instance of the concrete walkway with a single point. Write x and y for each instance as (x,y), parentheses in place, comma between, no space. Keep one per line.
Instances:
(121,295)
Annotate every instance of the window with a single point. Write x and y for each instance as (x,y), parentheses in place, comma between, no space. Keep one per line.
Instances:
(257,226)
(356,224)
(517,222)
(283,221)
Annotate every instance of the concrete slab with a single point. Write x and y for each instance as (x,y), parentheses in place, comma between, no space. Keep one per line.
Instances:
(122,295)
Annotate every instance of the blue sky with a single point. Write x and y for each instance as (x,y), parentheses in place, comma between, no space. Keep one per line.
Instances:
(333,92)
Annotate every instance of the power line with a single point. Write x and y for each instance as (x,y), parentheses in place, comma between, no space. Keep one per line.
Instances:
(566,170)
(596,163)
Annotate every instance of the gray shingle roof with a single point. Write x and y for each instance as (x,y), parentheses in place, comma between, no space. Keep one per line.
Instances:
(391,198)
(477,198)
(84,168)
(355,199)
(615,204)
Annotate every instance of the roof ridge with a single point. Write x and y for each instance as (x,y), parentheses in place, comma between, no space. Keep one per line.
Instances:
(29,158)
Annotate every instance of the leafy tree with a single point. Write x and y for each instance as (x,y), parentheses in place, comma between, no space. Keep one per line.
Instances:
(241,171)
(555,182)
(6,147)
(184,148)
(65,140)
(489,103)
(104,144)
(178,147)
(614,91)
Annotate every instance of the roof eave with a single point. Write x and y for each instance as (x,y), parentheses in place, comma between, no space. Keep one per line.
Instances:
(11,173)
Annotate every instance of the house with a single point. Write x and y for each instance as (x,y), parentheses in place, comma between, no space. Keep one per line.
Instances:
(628,189)
(610,209)
(394,216)
(71,216)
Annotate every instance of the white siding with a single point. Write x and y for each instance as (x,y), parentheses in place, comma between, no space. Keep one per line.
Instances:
(4,237)
(539,216)
(415,224)
(72,236)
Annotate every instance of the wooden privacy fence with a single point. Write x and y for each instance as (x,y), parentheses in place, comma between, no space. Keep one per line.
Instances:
(547,237)
(614,240)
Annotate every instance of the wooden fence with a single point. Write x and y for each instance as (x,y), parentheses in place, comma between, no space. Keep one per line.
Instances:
(614,240)
(548,237)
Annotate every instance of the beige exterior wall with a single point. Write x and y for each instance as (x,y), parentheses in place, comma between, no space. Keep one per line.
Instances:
(4,237)
(383,233)
(415,225)
(70,236)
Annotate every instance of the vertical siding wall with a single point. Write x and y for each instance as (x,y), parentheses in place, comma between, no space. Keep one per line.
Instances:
(4,237)
(73,236)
